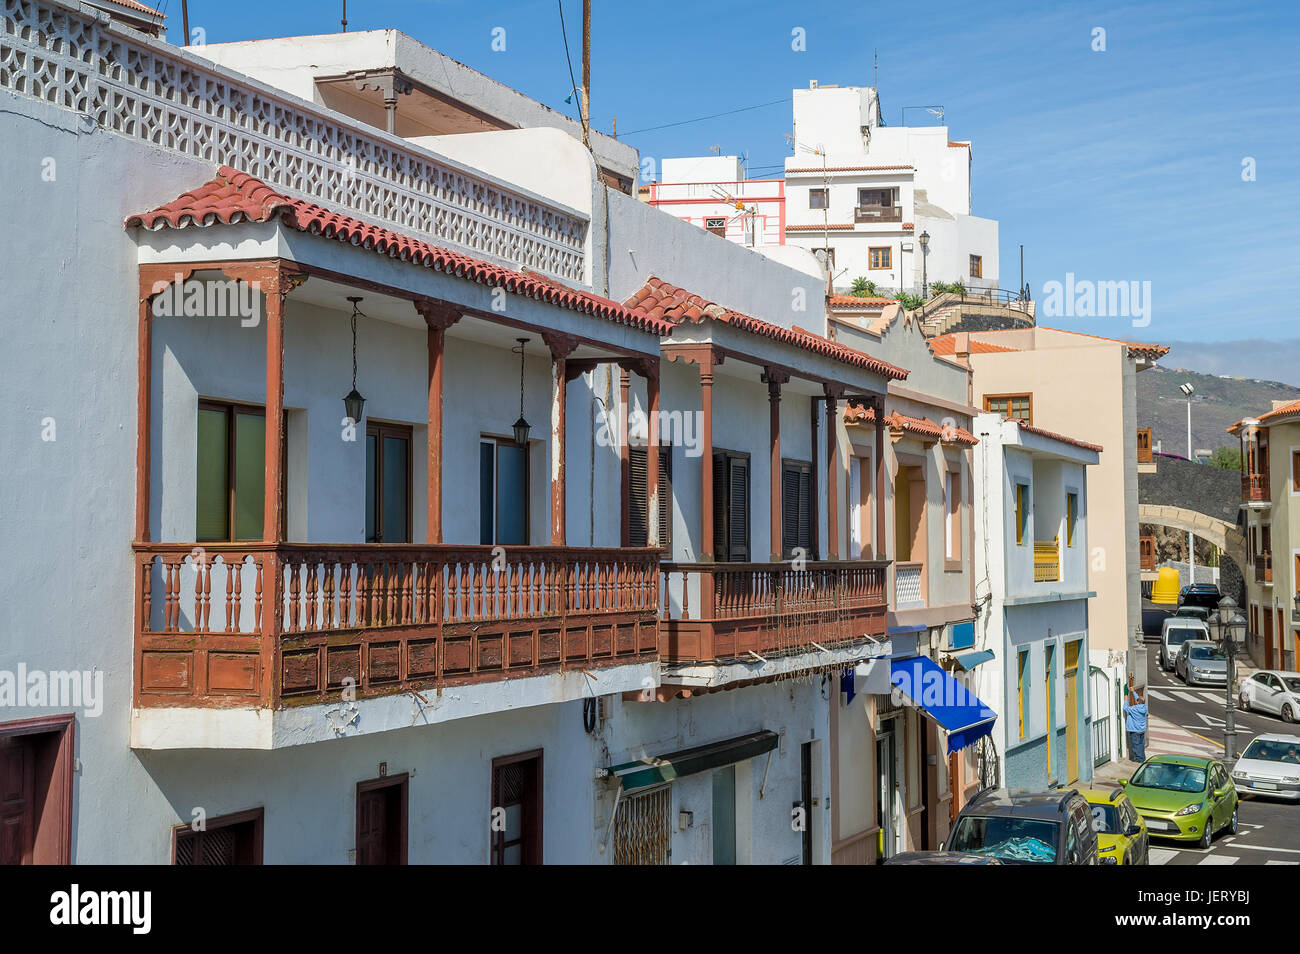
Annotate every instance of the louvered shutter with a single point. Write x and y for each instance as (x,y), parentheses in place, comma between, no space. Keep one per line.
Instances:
(638,499)
(805,510)
(738,510)
(665,499)
(789,509)
(720,484)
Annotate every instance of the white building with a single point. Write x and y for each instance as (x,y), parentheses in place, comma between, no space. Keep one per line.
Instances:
(868,191)
(1031,563)
(713,193)
(414,636)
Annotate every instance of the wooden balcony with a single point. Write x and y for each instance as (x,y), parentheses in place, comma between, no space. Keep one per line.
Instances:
(262,625)
(1264,568)
(728,610)
(1147,552)
(1047,561)
(877,213)
(1144,446)
(1254,488)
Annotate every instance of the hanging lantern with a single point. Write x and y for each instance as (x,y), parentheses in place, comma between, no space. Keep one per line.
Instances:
(521,426)
(353,403)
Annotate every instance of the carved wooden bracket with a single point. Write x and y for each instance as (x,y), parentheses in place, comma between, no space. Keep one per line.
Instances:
(437,314)
(561,345)
(774,378)
(156,279)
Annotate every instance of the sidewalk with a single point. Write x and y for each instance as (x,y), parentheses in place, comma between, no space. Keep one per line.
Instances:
(1163,738)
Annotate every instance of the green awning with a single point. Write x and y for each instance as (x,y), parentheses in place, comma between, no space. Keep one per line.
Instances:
(702,758)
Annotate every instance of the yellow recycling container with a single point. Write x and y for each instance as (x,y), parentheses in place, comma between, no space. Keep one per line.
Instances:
(1165,590)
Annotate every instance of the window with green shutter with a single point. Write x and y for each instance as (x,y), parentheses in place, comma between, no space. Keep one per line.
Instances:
(230,472)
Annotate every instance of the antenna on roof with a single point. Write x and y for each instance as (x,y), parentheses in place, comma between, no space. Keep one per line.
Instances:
(345,16)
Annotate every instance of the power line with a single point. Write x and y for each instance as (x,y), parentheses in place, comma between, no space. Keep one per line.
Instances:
(569,59)
(700,119)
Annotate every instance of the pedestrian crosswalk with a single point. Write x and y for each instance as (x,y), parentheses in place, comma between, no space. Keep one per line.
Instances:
(1229,851)
(1189,694)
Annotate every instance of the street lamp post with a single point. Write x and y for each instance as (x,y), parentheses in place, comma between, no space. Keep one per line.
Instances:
(1187,390)
(925,279)
(1228,623)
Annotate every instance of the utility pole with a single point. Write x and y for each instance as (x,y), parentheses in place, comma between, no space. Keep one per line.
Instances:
(185,17)
(345,16)
(1022,271)
(586,72)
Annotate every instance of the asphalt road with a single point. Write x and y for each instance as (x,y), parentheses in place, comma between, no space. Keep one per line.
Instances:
(1268,829)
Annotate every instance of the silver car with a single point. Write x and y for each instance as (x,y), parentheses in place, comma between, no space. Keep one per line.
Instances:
(1272,690)
(1201,663)
(1270,766)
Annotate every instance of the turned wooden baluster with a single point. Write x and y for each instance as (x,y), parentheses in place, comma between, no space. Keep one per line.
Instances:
(291,624)
(146,595)
(328,609)
(345,594)
(230,592)
(203,586)
(171,604)
(313,592)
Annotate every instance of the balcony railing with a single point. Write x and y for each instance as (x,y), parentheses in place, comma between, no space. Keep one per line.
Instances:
(1144,446)
(1254,488)
(1263,568)
(1047,561)
(724,611)
(878,213)
(908,592)
(261,625)
(158,95)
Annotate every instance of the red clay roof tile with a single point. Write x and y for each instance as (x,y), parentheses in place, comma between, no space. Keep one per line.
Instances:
(235,196)
(921,426)
(660,300)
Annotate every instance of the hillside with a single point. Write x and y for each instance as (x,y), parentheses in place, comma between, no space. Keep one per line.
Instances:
(1217,403)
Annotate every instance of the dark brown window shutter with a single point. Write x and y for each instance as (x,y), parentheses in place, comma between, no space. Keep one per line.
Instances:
(639,491)
(796,508)
(738,510)
(720,484)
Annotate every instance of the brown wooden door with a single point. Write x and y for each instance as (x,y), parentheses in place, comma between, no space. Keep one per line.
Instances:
(17,798)
(381,821)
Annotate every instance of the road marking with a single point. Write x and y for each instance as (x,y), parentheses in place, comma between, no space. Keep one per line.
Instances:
(1288,851)
(1273,861)
(1161,856)
(1186,696)
(1219,860)
(1157,695)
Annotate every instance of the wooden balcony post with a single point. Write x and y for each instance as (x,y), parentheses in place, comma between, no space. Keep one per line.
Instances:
(154,280)
(833,393)
(624,460)
(650,368)
(438,317)
(882,480)
(706,470)
(774,379)
(561,347)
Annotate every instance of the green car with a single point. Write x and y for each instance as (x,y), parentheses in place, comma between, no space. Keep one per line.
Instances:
(1184,797)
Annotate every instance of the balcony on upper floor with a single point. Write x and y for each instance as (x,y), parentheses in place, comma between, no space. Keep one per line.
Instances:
(877,213)
(736,611)
(269,625)
(1145,454)
(1254,489)
(1047,561)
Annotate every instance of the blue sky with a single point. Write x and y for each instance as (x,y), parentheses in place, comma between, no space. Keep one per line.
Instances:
(1117,165)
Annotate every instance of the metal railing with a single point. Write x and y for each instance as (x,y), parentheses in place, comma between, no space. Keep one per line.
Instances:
(908,593)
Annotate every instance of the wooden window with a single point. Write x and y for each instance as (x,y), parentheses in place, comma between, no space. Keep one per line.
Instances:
(1266,538)
(230,473)
(880,256)
(819,198)
(1019,407)
(976,266)
(226,840)
(503,492)
(730,506)
(517,809)
(639,505)
(388,483)
(382,821)
(717,225)
(1022,513)
(1071,517)
(876,198)
(1295,472)
(796,508)
(952,519)
(860,510)
(1022,669)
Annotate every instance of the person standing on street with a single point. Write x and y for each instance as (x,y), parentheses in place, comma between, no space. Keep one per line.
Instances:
(1135,724)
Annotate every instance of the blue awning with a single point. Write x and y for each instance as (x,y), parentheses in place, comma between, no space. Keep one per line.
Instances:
(970,660)
(958,710)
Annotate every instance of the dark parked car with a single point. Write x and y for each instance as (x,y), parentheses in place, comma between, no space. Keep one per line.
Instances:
(1019,827)
(1200,594)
